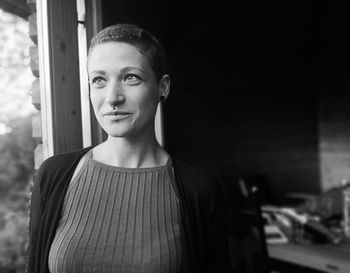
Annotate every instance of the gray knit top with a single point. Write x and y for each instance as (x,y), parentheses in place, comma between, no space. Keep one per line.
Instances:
(118,220)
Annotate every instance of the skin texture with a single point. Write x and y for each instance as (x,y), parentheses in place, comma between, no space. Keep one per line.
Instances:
(121,78)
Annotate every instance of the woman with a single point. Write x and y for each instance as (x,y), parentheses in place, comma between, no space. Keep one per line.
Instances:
(126,205)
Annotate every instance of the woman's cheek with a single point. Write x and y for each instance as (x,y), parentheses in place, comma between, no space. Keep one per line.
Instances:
(95,101)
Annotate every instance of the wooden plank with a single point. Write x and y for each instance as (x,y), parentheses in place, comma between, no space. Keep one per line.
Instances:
(93,17)
(45,78)
(38,156)
(33,30)
(36,127)
(64,74)
(34,60)
(35,93)
(93,24)
(84,81)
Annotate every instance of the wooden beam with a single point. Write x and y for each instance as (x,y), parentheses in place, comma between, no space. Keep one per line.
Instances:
(38,156)
(46,148)
(93,17)
(35,92)
(34,60)
(37,132)
(36,127)
(93,24)
(33,31)
(84,84)
(60,29)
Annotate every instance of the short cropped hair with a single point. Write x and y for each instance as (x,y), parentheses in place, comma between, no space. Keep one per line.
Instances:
(144,41)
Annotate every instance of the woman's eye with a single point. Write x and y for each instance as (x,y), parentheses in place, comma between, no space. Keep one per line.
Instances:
(98,81)
(132,79)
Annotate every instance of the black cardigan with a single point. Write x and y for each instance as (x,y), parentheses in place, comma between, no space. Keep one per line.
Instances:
(203,211)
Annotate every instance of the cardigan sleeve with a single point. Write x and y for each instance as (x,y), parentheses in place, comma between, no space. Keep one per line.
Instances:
(34,220)
(49,187)
(216,222)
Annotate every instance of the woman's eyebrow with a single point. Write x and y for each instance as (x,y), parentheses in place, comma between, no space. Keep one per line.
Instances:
(130,68)
(101,72)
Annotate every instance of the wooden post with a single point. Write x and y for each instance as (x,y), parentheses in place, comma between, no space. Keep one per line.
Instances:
(93,24)
(36,127)
(59,75)
(35,89)
(33,31)
(35,93)
(34,60)
(84,82)
(63,44)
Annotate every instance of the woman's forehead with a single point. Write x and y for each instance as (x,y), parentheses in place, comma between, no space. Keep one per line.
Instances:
(112,54)
(114,50)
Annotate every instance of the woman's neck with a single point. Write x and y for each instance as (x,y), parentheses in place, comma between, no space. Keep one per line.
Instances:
(122,152)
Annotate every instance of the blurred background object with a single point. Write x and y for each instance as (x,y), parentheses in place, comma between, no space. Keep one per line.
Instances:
(16,142)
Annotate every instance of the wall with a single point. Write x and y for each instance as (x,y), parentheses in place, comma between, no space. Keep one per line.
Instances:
(245,99)
(259,136)
(334,131)
(334,122)
(247,94)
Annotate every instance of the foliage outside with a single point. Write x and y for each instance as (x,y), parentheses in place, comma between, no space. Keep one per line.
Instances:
(16,143)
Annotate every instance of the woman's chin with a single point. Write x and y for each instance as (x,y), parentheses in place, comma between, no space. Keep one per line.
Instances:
(118,133)
(116,129)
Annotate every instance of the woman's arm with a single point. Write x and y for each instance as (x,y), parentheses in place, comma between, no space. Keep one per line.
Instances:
(34,222)
(217,232)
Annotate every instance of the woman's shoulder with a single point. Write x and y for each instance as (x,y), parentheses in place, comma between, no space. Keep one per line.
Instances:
(195,175)
(61,161)
(56,170)
(191,167)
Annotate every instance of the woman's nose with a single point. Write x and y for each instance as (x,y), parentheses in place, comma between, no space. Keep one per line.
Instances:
(118,100)
(115,95)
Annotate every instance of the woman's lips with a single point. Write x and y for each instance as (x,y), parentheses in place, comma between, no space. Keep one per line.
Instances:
(117,115)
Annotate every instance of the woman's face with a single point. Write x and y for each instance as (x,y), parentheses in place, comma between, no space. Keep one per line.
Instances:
(124,89)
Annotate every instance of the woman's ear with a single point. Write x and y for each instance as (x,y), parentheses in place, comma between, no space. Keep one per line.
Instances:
(164,87)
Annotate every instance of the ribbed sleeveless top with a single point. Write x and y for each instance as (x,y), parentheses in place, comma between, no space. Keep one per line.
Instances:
(118,220)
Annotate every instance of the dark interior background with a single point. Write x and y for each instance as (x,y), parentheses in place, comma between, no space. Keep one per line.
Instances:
(252,83)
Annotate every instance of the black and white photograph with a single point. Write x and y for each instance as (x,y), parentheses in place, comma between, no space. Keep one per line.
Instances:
(173,136)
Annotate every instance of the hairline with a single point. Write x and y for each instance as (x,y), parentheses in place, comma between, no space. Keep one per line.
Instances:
(91,49)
